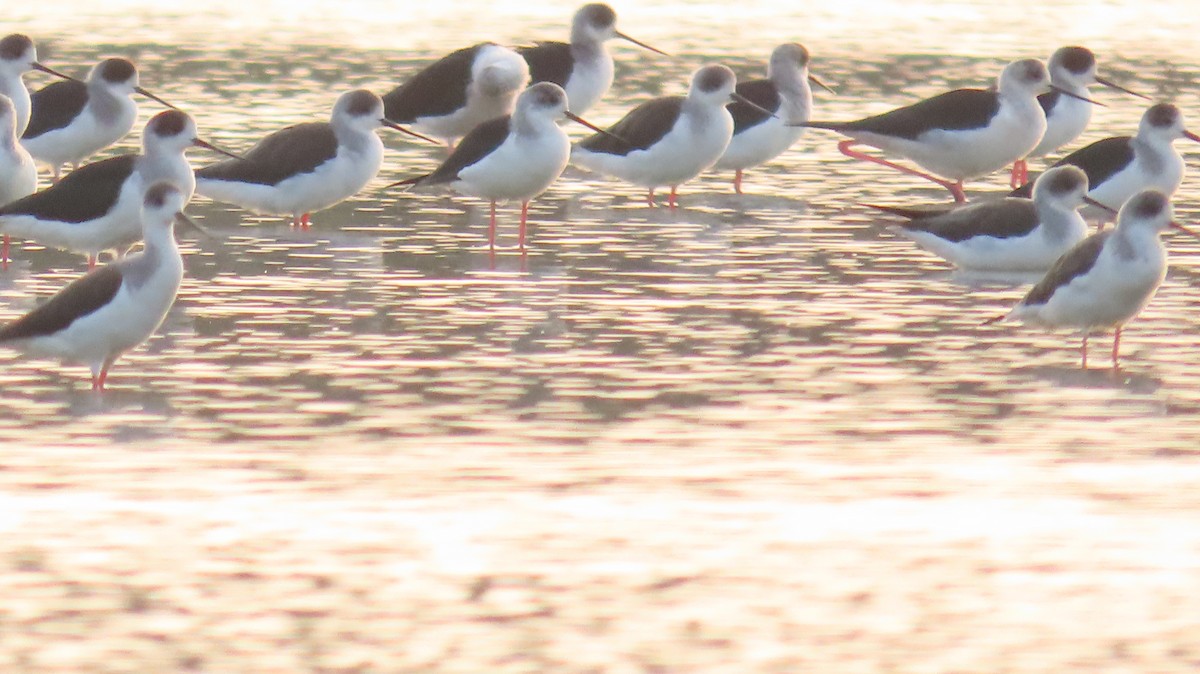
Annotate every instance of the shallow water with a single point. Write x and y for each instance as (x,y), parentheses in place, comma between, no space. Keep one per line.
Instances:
(762,433)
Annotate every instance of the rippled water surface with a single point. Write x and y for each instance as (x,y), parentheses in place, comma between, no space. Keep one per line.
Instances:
(758,434)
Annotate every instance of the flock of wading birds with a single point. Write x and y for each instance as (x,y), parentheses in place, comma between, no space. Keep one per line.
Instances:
(506,143)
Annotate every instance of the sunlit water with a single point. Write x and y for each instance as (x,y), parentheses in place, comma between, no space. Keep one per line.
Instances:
(759,434)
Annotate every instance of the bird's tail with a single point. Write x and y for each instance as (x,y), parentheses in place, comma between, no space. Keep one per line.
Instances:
(910,213)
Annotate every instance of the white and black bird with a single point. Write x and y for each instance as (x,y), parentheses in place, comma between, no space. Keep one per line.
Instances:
(305,167)
(96,318)
(453,95)
(72,120)
(17,57)
(669,140)
(18,173)
(516,156)
(1071,69)
(97,206)
(583,67)
(1119,167)
(757,136)
(961,134)
(1005,235)
(1106,279)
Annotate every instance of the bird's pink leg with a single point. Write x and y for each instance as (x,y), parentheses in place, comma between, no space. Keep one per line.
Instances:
(492,228)
(650,198)
(1020,174)
(305,221)
(4,252)
(1116,349)
(671,201)
(737,181)
(524,216)
(1084,350)
(956,187)
(93,258)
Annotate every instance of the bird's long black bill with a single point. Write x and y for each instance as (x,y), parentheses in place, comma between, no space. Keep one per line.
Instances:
(392,125)
(819,83)
(746,101)
(1064,92)
(45,69)
(1113,85)
(154,98)
(182,218)
(641,44)
(209,146)
(579,120)
(1104,207)
(1185,230)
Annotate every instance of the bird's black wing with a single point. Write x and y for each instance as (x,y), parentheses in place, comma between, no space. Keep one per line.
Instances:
(476,145)
(438,89)
(1005,219)
(548,62)
(85,194)
(81,297)
(1100,161)
(1075,262)
(762,93)
(956,110)
(280,155)
(54,106)
(644,126)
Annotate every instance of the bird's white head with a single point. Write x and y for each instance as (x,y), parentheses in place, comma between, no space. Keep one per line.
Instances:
(17,54)
(1062,186)
(1149,208)
(360,110)
(542,100)
(1163,123)
(116,74)
(713,85)
(1072,67)
(500,72)
(594,22)
(172,132)
(1024,78)
(162,207)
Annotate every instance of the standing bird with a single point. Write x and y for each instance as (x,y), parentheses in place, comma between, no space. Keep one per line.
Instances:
(1071,69)
(1006,235)
(72,120)
(305,167)
(511,157)
(98,317)
(1119,167)
(757,136)
(1108,278)
(453,95)
(18,173)
(97,206)
(667,140)
(961,134)
(17,57)
(583,68)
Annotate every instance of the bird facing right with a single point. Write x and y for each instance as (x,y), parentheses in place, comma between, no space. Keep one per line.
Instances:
(98,317)
(1108,278)
(667,140)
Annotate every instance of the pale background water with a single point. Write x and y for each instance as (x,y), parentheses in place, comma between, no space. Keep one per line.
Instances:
(761,434)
